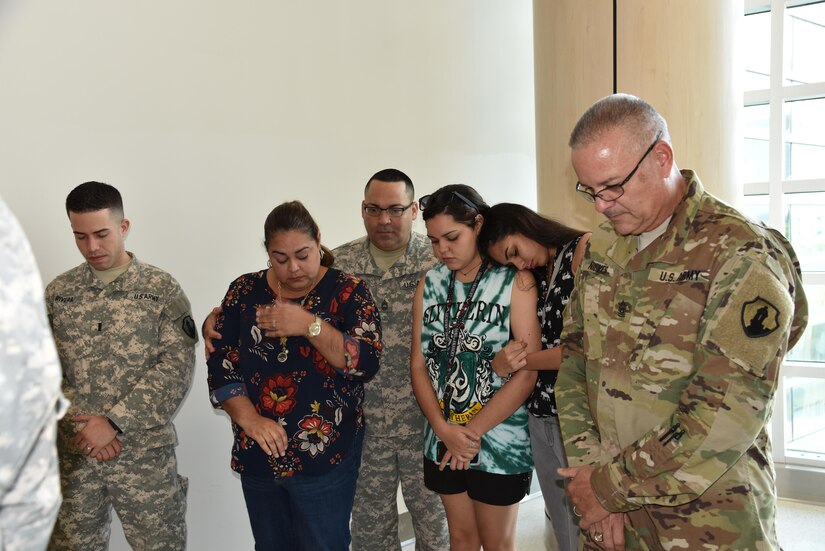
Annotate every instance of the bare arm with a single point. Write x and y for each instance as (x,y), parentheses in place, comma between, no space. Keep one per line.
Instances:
(525,327)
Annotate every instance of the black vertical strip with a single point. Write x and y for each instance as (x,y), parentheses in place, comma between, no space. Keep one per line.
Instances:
(615,62)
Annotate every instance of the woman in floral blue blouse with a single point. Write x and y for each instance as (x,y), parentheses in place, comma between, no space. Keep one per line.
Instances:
(298,340)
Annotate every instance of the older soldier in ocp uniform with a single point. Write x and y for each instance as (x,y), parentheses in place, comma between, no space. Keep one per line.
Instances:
(391,258)
(673,342)
(126,339)
(30,398)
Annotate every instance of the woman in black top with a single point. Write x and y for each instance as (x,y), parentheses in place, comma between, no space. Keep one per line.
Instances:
(513,234)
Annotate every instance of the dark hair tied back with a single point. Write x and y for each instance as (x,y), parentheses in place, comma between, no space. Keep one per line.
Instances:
(293,216)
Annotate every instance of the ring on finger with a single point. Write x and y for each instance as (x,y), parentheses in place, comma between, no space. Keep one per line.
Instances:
(598,537)
(576,511)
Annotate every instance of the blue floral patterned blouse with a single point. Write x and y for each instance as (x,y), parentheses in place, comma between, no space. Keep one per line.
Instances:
(318,405)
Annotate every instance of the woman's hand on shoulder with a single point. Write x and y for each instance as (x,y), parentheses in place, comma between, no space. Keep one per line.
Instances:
(209,332)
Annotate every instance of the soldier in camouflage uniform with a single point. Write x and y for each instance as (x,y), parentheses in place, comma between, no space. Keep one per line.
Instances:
(126,340)
(673,339)
(391,258)
(30,398)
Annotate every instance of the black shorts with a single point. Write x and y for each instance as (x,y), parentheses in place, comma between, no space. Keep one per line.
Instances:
(489,488)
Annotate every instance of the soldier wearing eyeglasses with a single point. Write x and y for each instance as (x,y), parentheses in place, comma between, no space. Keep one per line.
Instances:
(391,258)
(673,340)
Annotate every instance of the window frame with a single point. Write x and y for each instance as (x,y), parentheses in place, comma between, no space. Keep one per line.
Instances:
(776,97)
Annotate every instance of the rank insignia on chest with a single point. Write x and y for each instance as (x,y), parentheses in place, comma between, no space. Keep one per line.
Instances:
(759,318)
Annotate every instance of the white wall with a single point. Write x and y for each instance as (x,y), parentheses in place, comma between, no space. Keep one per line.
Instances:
(206,114)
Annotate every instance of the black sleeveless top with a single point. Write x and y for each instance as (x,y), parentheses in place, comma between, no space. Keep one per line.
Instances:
(553,297)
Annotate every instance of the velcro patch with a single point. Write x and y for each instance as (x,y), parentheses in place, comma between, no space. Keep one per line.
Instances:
(750,326)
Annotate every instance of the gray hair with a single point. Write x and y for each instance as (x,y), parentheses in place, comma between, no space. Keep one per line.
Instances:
(625,111)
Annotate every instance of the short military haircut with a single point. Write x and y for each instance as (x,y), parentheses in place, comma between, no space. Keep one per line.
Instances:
(637,117)
(93,196)
(392,175)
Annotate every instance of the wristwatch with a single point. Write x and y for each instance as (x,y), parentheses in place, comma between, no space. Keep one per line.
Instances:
(314,328)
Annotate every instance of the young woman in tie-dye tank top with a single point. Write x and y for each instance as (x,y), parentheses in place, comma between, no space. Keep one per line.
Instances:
(477,453)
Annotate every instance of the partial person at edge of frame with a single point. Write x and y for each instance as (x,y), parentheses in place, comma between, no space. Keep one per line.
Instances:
(515,235)
(298,341)
(31,402)
(477,451)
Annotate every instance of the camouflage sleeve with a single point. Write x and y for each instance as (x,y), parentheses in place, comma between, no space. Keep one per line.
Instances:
(362,335)
(742,338)
(30,398)
(223,366)
(581,438)
(156,397)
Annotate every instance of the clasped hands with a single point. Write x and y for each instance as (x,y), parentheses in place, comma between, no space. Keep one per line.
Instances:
(463,444)
(96,438)
(283,318)
(605,529)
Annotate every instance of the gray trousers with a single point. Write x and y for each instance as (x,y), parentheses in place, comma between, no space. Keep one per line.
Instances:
(548,455)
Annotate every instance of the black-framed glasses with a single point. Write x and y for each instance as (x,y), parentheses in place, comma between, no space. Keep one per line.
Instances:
(611,193)
(394,211)
(426,201)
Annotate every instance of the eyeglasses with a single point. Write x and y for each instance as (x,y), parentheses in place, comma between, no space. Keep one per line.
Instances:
(395,211)
(611,193)
(427,200)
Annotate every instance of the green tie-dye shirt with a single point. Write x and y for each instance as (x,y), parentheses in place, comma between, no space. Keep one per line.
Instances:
(505,449)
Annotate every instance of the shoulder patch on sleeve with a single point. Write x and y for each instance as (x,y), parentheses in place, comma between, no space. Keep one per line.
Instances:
(752,324)
(188,326)
(180,312)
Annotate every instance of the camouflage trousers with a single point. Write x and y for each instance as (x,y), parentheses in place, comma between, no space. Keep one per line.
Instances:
(28,509)
(386,462)
(145,490)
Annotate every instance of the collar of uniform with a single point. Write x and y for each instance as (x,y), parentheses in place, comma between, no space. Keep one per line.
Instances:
(126,281)
(663,249)
(419,256)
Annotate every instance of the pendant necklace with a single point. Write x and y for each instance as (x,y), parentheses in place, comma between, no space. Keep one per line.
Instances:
(283,355)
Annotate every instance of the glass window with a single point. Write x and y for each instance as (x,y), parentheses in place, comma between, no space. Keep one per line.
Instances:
(811,347)
(805,139)
(799,145)
(805,403)
(756,143)
(757,51)
(805,34)
(805,228)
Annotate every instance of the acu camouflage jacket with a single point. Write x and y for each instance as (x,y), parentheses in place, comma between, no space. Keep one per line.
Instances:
(389,406)
(127,350)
